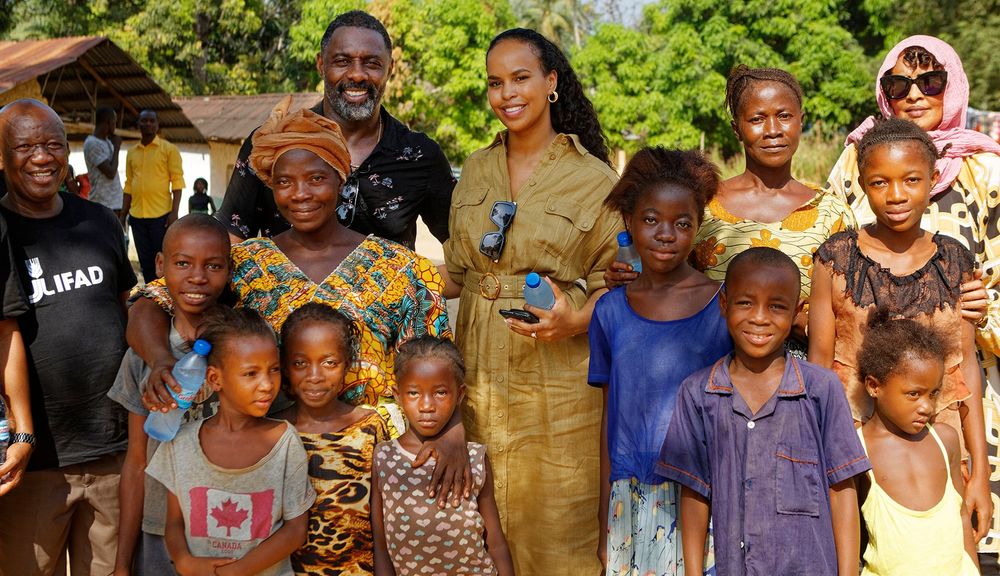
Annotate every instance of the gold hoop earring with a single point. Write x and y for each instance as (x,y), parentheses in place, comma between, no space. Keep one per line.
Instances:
(553,97)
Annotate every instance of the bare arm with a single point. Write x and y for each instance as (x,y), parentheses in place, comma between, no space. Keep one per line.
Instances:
(148,333)
(496,543)
(846,526)
(694,515)
(451,289)
(383,562)
(131,491)
(452,476)
(126,206)
(977,494)
(272,550)
(605,501)
(110,166)
(17,396)
(184,562)
(822,327)
(949,437)
(175,208)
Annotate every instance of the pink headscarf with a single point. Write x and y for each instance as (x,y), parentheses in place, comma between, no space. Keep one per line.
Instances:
(951,132)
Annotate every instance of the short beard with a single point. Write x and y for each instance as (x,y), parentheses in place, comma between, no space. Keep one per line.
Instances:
(352,112)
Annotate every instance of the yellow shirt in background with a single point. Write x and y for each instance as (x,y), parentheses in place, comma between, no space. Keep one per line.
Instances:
(151,173)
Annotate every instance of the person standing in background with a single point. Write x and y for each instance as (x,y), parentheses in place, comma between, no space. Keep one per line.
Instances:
(100,152)
(154,180)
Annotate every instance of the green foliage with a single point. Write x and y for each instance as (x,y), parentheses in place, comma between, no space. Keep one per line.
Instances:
(672,71)
(440,82)
(307,31)
(970,26)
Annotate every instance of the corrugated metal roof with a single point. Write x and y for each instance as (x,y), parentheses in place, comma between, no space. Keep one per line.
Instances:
(79,74)
(232,118)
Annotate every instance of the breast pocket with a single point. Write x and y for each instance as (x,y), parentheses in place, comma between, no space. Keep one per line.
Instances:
(562,230)
(798,481)
(470,218)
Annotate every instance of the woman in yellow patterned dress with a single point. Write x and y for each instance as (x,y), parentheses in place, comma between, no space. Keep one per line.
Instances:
(765,205)
(922,80)
(533,201)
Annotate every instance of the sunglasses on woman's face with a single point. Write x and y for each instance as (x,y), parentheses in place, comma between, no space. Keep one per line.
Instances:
(502,215)
(348,201)
(930,83)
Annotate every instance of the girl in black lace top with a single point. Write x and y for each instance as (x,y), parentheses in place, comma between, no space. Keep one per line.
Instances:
(895,265)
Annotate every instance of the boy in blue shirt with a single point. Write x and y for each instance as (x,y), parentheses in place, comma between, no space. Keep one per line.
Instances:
(764,442)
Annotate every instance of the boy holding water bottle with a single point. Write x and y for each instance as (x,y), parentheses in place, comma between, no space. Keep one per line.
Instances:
(195,266)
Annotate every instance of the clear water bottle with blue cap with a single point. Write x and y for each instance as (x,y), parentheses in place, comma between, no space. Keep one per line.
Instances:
(627,252)
(189,372)
(537,292)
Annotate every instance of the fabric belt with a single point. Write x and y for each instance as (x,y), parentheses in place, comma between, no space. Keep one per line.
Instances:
(493,286)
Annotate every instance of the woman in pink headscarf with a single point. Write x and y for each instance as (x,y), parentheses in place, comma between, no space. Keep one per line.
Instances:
(922,80)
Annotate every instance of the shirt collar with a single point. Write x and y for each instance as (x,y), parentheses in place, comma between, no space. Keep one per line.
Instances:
(563,141)
(792,384)
(155,142)
(393,131)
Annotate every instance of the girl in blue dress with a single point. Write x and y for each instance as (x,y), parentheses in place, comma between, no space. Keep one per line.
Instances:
(645,339)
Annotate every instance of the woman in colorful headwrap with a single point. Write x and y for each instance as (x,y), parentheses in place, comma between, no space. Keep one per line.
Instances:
(922,80)
(391,293)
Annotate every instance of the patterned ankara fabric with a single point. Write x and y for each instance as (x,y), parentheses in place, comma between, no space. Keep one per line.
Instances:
(723,235)
(340,528)
(391,293)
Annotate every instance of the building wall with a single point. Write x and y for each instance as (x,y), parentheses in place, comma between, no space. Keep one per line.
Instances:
(196,160)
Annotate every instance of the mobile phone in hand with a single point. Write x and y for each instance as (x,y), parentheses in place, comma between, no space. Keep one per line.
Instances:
(522,315)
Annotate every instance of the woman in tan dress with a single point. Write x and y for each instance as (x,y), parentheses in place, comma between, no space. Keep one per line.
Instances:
(533,201)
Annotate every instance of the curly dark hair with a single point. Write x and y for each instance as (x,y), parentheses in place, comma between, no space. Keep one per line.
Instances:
(355,19)
(918,58)
(223,324)
(573,112)
(425,347)
(889,342)
(315,312)
(891,131)
(742,77)
(656,166)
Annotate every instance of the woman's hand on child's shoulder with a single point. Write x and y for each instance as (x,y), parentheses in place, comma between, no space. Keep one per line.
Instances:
(619,274)
(975,300)
(452,476)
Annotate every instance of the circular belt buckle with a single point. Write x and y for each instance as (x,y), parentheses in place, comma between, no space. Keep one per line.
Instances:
(489,290)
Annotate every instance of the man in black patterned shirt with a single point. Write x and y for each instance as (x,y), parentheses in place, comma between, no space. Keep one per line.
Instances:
(396,174)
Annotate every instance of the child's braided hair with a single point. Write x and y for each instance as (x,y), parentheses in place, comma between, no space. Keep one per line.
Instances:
(891,131)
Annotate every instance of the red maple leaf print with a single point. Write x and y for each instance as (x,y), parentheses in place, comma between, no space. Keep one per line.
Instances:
(229,515)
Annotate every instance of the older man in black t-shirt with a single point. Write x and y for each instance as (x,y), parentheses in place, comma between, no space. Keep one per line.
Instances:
(396,174)
(71,256)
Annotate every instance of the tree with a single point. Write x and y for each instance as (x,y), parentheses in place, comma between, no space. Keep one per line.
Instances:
(565,22)
(665,82)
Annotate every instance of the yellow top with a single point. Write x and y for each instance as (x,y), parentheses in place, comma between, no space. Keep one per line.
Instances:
(723,235)
(151,174)
(529,400)
(905,542)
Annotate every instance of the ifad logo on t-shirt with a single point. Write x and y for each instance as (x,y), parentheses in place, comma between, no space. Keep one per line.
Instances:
(230,516)
(62,282)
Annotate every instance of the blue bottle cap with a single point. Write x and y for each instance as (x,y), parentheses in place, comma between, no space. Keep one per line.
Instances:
(533,280)
(624,238)
(202,347)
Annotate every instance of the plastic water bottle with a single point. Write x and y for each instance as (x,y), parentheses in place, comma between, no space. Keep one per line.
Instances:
(537,292)
(627,252)
(190,374)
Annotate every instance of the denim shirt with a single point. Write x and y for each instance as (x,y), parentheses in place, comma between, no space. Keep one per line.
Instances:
(767,475)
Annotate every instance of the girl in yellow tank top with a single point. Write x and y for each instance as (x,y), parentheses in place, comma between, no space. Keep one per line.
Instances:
(912,501)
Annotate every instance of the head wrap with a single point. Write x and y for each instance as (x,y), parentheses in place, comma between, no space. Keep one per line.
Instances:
(302,130)
(951,136)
